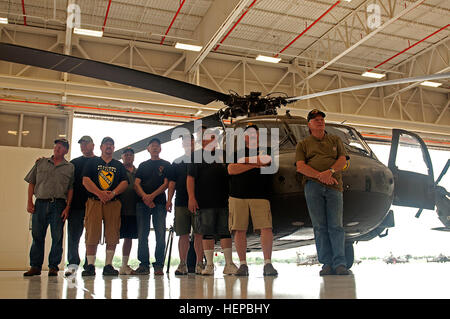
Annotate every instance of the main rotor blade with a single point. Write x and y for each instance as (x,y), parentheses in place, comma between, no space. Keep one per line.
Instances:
(371,85)
(212,120)
(109,72)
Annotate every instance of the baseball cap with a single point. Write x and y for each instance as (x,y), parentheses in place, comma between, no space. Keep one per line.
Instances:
(154,140)
(313,113)
(251,125)
(128,149)
(107,139)
(63,141)
(86,138)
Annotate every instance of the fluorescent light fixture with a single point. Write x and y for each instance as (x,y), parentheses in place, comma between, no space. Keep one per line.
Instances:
(3,20)
(91,33)
(373,75)
(267,59)
(189,47)
(430,83)
(348,0)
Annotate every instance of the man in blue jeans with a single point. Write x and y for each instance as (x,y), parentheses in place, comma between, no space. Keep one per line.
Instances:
(321,157)
(51,182)
(150,185)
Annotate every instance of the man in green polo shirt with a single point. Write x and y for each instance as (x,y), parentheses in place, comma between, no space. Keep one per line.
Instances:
(321,157)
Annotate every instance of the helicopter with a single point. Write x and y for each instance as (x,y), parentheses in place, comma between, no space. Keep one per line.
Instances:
(370,187)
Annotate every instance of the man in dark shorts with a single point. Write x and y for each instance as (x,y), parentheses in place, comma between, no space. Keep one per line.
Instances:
(150,185)
(128,225)
(249,193)
(184,219)
(104,178)
(321,157)
(51,182)
(207,185)
(75,222)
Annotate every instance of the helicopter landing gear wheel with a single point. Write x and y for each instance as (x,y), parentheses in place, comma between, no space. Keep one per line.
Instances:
(349,254)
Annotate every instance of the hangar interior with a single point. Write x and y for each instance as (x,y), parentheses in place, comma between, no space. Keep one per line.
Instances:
(322,45)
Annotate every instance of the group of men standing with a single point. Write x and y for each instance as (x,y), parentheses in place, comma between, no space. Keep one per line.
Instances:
(214,199)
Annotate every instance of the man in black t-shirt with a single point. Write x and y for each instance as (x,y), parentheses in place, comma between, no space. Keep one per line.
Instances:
(207,186)
(75,220)
(250,191)
(104,178)
(184,219)
(150,185)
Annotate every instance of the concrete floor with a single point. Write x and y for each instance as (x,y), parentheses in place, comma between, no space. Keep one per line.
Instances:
(375,280)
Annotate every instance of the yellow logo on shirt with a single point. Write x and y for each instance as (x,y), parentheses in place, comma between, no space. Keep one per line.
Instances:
(105,178)
(347,164)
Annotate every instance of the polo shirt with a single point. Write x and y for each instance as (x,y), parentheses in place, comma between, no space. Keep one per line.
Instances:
(51,181)
(321,155)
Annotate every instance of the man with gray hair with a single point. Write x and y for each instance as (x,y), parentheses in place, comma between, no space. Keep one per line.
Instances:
(51,181)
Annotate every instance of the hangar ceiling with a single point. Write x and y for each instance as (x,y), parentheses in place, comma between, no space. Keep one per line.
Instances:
(323,45)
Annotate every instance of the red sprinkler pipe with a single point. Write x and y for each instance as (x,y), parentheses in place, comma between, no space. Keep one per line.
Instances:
(106,17)
(173,20)
(411,46)
(24,14)
(234,26)
(317,20)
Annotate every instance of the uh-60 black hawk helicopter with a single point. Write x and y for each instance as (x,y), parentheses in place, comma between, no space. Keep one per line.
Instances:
(370,188)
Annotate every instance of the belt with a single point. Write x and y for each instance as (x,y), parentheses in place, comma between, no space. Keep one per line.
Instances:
(51,200)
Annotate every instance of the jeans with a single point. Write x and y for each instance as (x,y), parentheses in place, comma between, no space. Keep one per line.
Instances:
(325,206)
(143,213)
(47,213)
(75,227)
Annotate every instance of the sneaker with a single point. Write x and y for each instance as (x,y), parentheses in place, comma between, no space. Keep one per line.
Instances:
(52,272)
(125,270)
(341,271)
(158,272)
(230,269)
(326,270)
(109,270)
(208,271)
(181,270)
(89,270)
(71,270)
(242,271)
(199,268)
(269,270)
(141,270)
(34,271)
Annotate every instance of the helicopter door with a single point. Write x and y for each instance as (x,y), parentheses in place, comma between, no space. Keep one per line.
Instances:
(411,166)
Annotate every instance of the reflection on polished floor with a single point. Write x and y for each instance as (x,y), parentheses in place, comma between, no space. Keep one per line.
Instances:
(368,280)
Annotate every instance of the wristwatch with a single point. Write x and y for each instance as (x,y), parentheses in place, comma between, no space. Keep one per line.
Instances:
(332,170)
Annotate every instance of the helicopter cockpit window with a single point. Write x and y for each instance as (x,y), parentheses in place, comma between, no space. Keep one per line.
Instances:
(286,140)
(408,151)
(352,141)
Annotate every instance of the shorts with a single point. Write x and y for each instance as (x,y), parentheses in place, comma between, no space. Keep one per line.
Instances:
(128,227)
(239,213)
(184,220)
(212,221)
(96,212)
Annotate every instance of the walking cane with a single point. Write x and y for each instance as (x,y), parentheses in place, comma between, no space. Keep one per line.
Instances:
(169,247)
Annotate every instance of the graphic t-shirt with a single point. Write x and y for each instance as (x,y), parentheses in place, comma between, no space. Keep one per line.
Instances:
(106,176)
(152,174)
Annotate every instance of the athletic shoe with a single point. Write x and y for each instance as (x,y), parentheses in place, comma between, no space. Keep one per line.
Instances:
(242,271)
(125,270)
(71,270)
(199,268)
(230,269)
(141,270)
(326,270)
(341,271)
(34,271)
(109,270)
(89,271)
(208,271)
(269,270)
(181,270)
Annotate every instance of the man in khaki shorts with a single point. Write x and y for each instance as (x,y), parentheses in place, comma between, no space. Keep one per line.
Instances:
(249,192)
(104,179)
